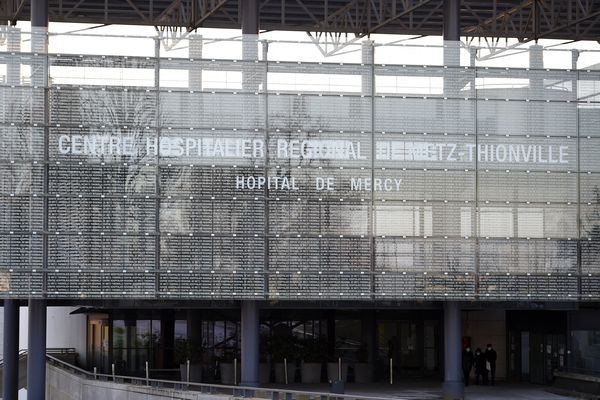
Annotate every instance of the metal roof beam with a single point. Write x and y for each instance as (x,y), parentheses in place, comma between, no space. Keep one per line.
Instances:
(184,13)
(536,19)
(361,18)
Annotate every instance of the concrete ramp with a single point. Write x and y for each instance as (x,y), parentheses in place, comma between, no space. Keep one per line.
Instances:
(66,382)
(64,385)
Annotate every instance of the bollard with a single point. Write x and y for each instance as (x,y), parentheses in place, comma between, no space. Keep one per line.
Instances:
(95,372)
(235,371)
(285,373)
(113,371)
(340,369)
(147,375)
(391,371)
(187,371)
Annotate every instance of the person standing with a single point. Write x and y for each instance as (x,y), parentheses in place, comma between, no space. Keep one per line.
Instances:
(490,357)
(480,370)
(467,364)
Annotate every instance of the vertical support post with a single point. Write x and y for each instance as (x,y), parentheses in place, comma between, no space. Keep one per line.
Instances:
(194,334)
(266,229)
(575,99)
(235,370)
(368,90)
(157,202)
(445,223)
(195,54)
(536,63)
(167,338)
(250,20)
(535,106)
(452,32)
(330,334)
(250,343)
(36,358)
(195,105)
(369,339)
(250,43)
(253,75)
(10,370)
(251,71)
(39,14)
(451,19)
(474,98)
(187,371)
(13,45)
(250,82)
(453,385)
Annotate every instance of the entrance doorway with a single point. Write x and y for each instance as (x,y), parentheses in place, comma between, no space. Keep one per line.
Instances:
(98,342)
(412,345)
(546,354)
(537,345)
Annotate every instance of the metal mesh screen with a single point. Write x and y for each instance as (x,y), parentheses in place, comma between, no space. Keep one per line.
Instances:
(199,178)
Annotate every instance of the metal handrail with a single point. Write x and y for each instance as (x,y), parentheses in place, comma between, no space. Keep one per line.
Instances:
(50,350)
(22,353)
(244,391)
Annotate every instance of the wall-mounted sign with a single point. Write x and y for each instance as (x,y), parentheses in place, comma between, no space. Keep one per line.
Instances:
(312,149)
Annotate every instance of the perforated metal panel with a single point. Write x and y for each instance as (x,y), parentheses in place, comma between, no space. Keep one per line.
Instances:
(238,185)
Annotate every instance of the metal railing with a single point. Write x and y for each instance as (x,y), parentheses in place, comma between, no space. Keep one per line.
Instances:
(226,390)
(49,350)
(22,354)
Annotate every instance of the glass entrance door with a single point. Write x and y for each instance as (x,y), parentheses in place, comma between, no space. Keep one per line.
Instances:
(412,346)
(547,352)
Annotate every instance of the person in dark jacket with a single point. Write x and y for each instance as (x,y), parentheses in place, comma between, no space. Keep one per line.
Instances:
(480,369)
(467,364)
(490,357)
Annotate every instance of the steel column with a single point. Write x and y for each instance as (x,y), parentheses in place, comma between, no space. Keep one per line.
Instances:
(368,89)
(36,358)
(453,385)
(39,13)
(452,20)
(250,21)
(10,370)
(250,343)
(451,33)
(369,339)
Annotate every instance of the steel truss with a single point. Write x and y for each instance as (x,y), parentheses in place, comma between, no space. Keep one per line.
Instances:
(522,19)
(334,24)
(532,20)
(183,17)
(362,18)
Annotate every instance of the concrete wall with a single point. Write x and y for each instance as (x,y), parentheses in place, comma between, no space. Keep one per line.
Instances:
(63,330)
(488,326)
(62,385)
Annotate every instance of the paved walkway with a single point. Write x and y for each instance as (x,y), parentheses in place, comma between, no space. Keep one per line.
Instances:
(514,392)
(426,390)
